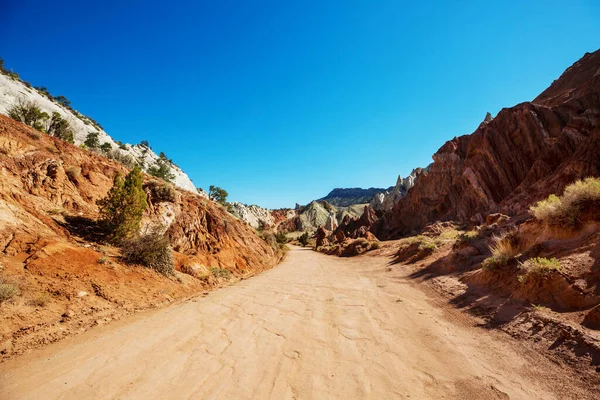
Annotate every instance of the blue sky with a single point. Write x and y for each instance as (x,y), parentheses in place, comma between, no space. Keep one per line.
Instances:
(280,101)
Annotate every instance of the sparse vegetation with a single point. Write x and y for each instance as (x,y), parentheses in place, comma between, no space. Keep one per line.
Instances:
(162,192)
(72,172)
(123,207)
(217,194)
(125,159)
(60,128)
(566,209)
(103,260)
(538,267)
(503,251)
(28,113)
(92,141)
(8,291)
(106,147)
(40,299)
(303,239)
(162,170)
(220,273)
(151,250)
(281,238)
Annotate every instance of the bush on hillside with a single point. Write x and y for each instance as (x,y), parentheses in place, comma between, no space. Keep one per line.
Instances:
(123,207)
(161,192)
(217,194)
(106,147)
(538,267)
(8,291)
(566,209)
(125,159)
(303,239)
(92,141)
(60,128)
(503,251)
(28,113)
(162,170)
(63,101)
(151,250)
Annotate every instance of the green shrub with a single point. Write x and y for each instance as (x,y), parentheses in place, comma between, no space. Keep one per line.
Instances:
(28,113)
(281,238)
(151,250)
(162,170)
(303,239)
(60,128)
(8,291)
(125,159)
(567,208)
(538,267)
(161,192)
(217,194)
(106,147)
(92,141)
(123,207)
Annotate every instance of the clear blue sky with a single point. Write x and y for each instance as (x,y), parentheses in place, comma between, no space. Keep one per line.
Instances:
(280,101)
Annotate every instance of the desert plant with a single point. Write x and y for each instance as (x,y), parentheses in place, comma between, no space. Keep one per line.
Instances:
(123,207)
(217,194)
(162,170)
(28,113)
(220,273)
(40,299)
(106,147)
(60,128)
(91,140)
(63,101)
(281,237)
(504,249)
(538,267)
(103,260)
(161,192)
(125,159)
(567,208)
(303,239)
(72,172)
(151,250)
(8,291)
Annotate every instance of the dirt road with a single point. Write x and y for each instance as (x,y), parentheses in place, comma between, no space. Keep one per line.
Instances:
(315,327)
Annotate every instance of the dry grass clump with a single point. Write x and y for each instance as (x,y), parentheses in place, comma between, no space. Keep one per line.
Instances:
(152,250)
(567,208)
(425,242)
(161,192)
(220,273)
(538,267)
(40,299)
(73,172)
(8,291)
(503,251)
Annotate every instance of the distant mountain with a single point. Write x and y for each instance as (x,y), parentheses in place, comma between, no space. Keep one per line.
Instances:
(346,197)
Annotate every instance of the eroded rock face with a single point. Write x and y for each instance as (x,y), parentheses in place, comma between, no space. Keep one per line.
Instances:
(386,201)
(522,155)
(255,216)
(49,189)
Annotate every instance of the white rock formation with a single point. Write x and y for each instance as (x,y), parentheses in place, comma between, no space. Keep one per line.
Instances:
(11,90)
(254,215)
(331,223)
(386,201)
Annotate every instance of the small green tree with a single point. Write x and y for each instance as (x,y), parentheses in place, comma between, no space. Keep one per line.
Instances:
(106,147)
(162,170)
(122,209)
(28,113)
(62,100)
(217,194)
(303,239)
(92,141)
(60,128)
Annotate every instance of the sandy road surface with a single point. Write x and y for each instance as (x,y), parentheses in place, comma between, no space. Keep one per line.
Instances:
(315,327)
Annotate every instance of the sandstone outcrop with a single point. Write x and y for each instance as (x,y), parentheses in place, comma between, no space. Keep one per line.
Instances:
(521,156)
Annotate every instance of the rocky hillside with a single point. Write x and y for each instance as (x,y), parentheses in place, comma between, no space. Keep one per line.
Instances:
(13,89)
(57,274)
(524,154)
(386,201)
(347,197)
